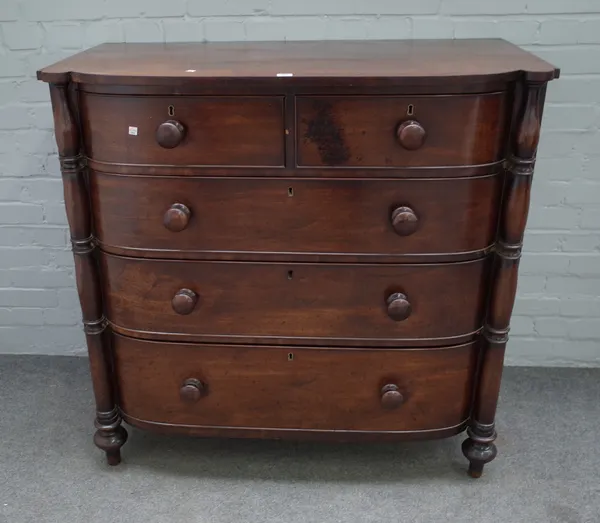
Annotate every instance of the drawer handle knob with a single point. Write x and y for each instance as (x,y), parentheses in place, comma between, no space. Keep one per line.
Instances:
(411,135)
(184,301)
(398,306)
(170,134)
(391,397)
(177,217)
(192,390)
(404,221)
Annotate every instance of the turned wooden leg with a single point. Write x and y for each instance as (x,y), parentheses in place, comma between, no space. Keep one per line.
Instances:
(479,447)
(110,436)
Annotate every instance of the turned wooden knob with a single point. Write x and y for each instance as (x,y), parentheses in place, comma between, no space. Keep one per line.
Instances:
(170,134)
(177,217)
(411,135)
(192,390)
(398,306)
(184,301)
(404,221)
(391,397)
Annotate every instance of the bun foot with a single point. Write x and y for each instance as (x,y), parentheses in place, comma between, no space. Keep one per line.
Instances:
(110,436)
(479,447)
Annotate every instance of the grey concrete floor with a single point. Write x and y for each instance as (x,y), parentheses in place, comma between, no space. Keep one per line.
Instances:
(547,470)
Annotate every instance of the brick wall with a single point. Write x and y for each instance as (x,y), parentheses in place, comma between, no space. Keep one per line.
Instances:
(557,315)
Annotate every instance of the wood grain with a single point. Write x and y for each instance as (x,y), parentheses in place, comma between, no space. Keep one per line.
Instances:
(295,172)
(298,255)
(362,63)
(479,448)
(294,388)
(218,130)
(294,216)
(361,131)
(110,436)
(327,303)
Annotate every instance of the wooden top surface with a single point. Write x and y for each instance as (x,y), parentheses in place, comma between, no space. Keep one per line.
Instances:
(290,62)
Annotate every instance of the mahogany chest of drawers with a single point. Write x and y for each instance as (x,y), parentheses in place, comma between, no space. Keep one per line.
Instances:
(305,240)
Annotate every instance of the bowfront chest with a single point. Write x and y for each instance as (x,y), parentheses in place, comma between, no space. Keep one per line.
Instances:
(298,240)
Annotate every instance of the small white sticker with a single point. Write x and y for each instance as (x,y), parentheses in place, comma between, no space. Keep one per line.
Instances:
(284,74)
(133,131)
(190,70)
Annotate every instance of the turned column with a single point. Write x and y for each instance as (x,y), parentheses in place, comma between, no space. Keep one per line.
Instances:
(110,435)
(479,448)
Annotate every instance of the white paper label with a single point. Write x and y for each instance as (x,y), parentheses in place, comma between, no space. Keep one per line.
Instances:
(133,131)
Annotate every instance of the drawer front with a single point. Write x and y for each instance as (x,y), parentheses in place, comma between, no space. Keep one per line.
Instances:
(294,388)
(275,301)
(171,130)
(399,131)
(362,217)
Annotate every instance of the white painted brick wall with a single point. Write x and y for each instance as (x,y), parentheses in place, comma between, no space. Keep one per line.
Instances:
(557,313)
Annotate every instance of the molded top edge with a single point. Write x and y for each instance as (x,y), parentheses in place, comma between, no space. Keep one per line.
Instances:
(366,62)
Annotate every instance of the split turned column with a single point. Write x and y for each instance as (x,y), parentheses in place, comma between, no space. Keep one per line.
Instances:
(479,448)
(110,435)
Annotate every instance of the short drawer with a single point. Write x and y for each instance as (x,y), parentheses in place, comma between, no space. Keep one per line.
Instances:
(294,388)
(182,216)
(400,131)
(323,303)
(179,130)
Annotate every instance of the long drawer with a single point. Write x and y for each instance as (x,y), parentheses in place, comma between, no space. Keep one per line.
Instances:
(169,216)
(295,302)
(294,388)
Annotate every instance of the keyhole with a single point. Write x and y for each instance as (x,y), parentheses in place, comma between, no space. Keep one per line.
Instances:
(171,110)
(290,356)
(290,191)
(290,275)
(410,110)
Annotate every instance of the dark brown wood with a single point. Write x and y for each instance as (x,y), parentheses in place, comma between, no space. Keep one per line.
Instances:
(303,87)
(177,217)
(361,131)
(417,63)
(110,436)
(289,106)
(219,130)
(312,303)
(479,448)
(404,220)
(192,390)
(411,135)
(309,240)
(331,436)
(391,397)
(341,343)
(337,257)
(184,301)
(170,134)
(296,216)
(398,306)
(296,172)
(260,387)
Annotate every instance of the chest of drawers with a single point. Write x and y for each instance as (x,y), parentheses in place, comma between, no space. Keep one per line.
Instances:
(305,240)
